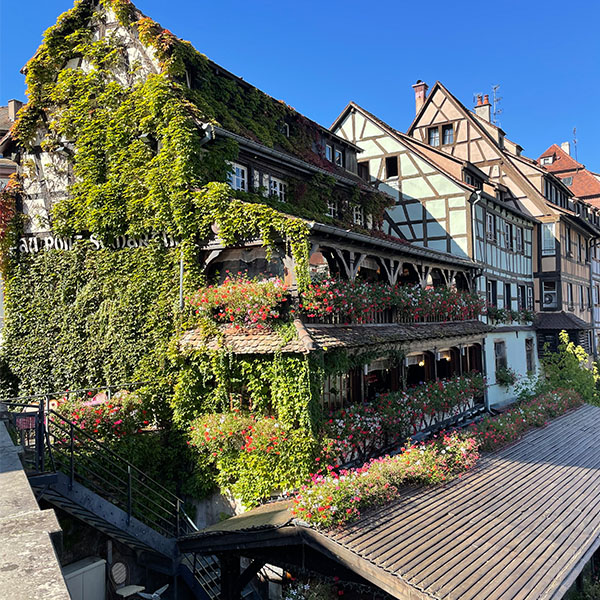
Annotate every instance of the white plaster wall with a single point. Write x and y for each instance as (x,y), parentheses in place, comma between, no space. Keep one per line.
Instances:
(516,360)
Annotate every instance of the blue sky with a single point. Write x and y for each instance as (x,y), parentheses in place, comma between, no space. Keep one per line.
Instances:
(319,55)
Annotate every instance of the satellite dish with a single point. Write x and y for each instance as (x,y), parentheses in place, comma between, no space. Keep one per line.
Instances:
(156,595)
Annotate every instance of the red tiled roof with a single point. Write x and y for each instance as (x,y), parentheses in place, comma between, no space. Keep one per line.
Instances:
(562,161)
(585,185)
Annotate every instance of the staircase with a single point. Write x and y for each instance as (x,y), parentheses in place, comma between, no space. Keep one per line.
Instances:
(78,474)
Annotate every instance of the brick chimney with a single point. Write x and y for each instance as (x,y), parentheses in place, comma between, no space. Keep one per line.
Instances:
(483,108)
(566,148)
(13,109)
(420,94)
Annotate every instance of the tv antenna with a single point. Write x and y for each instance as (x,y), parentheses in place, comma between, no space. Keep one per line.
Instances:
(575,142)
(496,111)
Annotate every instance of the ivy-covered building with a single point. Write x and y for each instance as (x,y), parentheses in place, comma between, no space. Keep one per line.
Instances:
(172,226)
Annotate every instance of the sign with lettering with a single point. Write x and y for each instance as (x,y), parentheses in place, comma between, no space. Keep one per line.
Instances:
(48,241)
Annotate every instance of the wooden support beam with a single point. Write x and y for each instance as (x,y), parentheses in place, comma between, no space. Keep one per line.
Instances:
(230,576)
(246,577)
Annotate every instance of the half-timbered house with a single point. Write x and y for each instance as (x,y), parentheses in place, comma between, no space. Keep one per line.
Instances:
(448,204)
(585,185)
(565,230)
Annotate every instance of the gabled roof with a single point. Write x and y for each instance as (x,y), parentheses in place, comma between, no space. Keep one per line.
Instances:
(509,163)
(522,525)
(562,161)
(428,153)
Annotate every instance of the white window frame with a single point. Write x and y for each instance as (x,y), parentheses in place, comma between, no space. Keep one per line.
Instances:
(358,215)
(490,227)
(338,156)
(508,235)
(238,177)
(329,152)
(551,230)
(519,244)
(332,208)
(277,188)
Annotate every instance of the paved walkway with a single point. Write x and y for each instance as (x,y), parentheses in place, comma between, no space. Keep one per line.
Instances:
(29,567)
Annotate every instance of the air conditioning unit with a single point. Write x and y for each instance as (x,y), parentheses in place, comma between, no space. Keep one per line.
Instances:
(549,299)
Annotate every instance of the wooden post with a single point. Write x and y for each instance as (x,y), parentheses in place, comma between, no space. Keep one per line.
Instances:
(230,573)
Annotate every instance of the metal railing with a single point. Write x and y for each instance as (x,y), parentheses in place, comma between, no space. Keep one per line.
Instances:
(54,443)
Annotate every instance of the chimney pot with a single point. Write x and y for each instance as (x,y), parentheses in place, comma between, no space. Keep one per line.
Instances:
(483,108)
(13,109)
(420,94)
(566,148)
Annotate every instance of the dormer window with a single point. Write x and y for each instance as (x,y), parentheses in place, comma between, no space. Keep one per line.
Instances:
(332,208)
(237,178)
(474,181)
(277,188)
(329,153)
(568,181)
(339,157)
(359,215)
(547,160)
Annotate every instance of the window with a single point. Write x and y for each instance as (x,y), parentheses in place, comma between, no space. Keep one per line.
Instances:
(529,354)
(568,247)
(547,160)
(549,296)
(597,294)
(529,297)
(474,181)
(332,208)
(391,166)
(500,354)
(339,158)
(508,228)
(521,297)
(581,298)
(568,181)
(329,153)
(238,177)
(519,247)
(277,188)
(447,135)
(507,296)
(491,227)
(570,305)
(358,215)
(363,170)
(548,240)
(492,292)
(433,136)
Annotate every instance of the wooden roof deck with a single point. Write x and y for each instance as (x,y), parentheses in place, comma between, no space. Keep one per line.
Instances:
(520,527)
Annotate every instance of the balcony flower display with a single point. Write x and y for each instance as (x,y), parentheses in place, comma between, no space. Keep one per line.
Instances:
(361,301)
(362,431)
(242,301)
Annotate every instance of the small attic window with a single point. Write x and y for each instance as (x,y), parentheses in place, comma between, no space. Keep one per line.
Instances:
(391,166)
(546,160)
(568,181)
(285,129)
